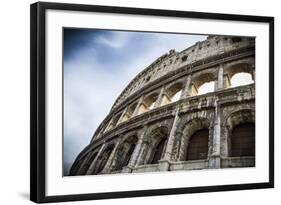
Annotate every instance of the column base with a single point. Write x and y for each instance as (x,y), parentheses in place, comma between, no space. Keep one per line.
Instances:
(214,162)
(163,165)
(127,169)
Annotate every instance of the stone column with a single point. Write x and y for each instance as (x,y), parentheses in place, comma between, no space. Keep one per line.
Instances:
(187,88)
(220,78)
(159,98)
(136,111)
(214,158)
(224,152)
(142,153)
(165,161)
(133,160)
(92,166)
(226,81)
(107,167)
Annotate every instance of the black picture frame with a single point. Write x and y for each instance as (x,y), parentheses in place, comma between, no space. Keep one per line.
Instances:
(38,100)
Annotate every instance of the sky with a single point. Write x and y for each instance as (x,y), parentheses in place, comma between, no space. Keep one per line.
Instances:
(98,65)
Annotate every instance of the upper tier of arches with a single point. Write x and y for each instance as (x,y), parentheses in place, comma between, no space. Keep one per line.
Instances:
(214,79)
(212,46)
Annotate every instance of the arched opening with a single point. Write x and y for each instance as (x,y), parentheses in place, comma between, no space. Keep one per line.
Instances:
(206,88)
(198,145)
(194,140)
(240,130)
(156,145)
(129,112)
(157,155)
(203,84)
(113,122)
(173,94)
(239,74)
(148,103)
(125,152)
(243,140)
(176,96)
(104,158)
(131,109)
(240,79)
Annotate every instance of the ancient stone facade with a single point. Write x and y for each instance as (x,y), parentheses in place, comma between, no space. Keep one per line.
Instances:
(161,122)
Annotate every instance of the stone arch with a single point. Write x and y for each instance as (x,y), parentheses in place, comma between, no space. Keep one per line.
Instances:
(190,128)
(172,93)
(234,120)
(131,109)
(124,152)
(114,121)
(129,112)
(103,158)
(155,141)
(148,102)
(241,66)
(201,78)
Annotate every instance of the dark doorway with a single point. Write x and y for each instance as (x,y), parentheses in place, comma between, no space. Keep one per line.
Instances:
(158,151)
(198,145)
(243,140)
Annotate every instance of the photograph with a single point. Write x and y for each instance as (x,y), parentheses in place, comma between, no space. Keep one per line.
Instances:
(143,101)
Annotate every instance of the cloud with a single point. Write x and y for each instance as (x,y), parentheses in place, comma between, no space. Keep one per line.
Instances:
(117,40)
(97,70)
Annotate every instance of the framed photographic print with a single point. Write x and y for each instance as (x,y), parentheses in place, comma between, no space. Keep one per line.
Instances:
(129,102)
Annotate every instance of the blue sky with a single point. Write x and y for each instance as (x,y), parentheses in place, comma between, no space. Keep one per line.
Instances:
(98,65)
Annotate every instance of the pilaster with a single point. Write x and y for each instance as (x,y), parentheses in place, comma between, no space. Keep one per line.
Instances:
(136,111)
(214,158)
(108,164)
(159,98)
(187,88)
(220,79)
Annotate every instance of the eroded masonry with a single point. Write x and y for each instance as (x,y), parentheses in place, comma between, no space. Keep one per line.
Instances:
(161,121)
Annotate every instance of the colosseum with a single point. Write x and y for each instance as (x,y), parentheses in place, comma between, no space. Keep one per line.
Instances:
(161,122)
